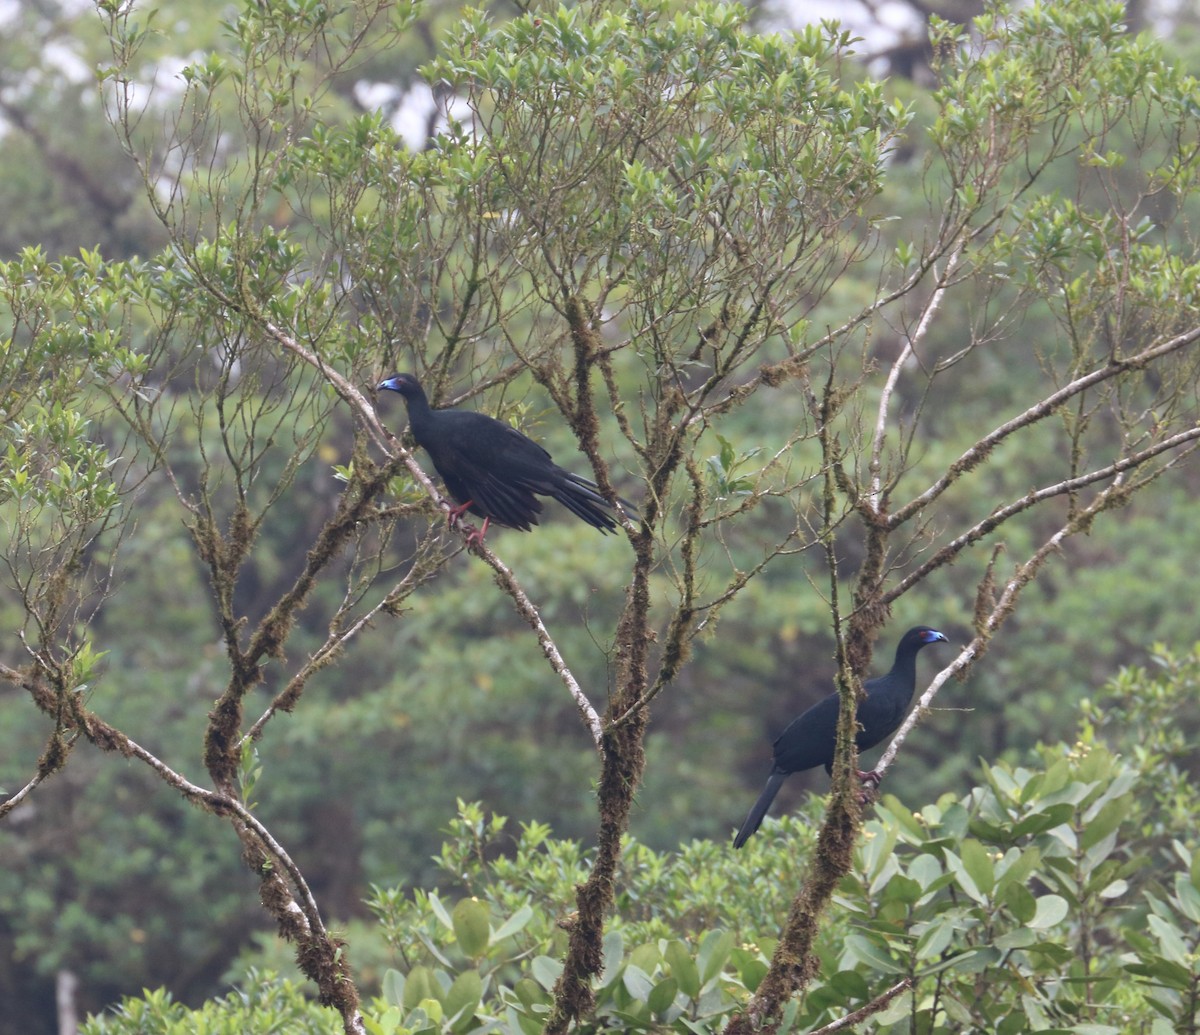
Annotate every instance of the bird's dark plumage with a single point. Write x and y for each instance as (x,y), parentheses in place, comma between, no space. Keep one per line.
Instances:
(491,469)
(809,740)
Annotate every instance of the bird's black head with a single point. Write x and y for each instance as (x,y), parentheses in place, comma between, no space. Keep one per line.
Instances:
(406,384)
(922,636)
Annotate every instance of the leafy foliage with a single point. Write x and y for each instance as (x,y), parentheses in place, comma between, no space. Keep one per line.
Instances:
(703,259)
(1029,903)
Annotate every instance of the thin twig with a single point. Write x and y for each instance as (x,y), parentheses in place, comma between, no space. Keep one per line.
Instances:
(863,1012)
(910,344)
(997,517)
(334,642)
(12,802)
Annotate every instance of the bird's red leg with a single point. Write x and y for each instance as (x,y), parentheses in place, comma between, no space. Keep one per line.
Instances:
(870,786)
(475,536)
(456,513)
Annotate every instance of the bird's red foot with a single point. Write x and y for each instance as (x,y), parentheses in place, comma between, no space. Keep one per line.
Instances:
(870,786)
(455,514)
(475,535)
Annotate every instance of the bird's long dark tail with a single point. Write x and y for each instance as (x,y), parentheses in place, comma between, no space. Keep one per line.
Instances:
(580,496)
(755,817)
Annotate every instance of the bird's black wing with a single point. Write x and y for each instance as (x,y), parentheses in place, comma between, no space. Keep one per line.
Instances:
(879,716)
(473,453)
(523,464)
(502,472)
(809,739)
(513,506)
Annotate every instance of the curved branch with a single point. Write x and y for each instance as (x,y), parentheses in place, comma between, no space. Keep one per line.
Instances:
(984,446)
(12,802)
(222,805)
(863,1012)
(931,308)
(978,531)
(1000,611)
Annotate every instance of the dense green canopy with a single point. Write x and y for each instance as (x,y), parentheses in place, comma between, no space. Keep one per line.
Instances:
(866,352)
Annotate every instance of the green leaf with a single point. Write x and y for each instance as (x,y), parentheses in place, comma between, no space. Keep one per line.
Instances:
(1019,938)
(1115,889)
(545,971)
(662,996)
(1187,897)
(471,927)
(935,936)
(1105,822)
(614,958)
(866,951)
(892,806)
(715,948)
(973,961)
(963,878)
(637,983)
(1051,910)
(850,985)
(439,910)
(1162,972)
(1021,902)
(531,993)
(1169,940)
(513,925)
(925,869)
(433,1009)
(752,971)
(683,968)
(1016,866)
(978,863)
(420,985)
(1039,822)
(462,999)
(902,889)
(393,987)
(647,957)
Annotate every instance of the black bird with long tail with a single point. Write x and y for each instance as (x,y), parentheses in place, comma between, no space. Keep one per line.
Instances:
(809,740)
(492,470)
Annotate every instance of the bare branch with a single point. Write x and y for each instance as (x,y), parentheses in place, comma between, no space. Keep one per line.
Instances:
(1000,611)
(14,800)
(863,1012)
(979,452)
(350,393)
(1067,486)
(508,582)
(927,314)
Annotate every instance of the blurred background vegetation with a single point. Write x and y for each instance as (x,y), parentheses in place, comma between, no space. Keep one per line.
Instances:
(103,874)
